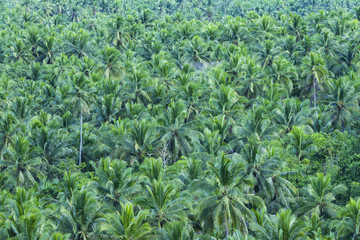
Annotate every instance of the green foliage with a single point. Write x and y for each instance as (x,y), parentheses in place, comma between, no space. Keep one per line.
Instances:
(179,119)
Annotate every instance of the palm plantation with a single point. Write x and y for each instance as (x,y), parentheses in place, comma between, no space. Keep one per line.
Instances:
(179,119)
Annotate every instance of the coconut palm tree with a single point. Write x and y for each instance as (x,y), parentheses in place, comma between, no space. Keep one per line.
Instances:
(81,95)
(300,140)
(348,226)
(139,142)
(80,216)
(164,202)
(115,181)
(110,62)
(314,72)
(20,160)
(174,131)
(224,204)
(284,225)
(319,197)
(292,112)
(342,100)
(125,225)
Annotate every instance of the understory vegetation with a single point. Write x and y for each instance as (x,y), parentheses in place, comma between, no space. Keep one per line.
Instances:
(179,119)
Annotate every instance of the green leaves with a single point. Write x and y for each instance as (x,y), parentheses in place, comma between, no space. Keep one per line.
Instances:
(179,119)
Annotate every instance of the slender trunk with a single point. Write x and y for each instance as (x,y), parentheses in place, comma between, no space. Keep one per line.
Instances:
(226,227)
(81,133)
(353,238)
(314,86)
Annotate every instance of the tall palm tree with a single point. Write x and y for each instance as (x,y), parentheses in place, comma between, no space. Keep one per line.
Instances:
(314,72)
(81,94)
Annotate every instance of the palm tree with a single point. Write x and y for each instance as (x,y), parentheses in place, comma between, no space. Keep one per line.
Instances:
(342,100)
(327,43)
(52,144)
(82,93)
(139,142)
(255,122)
(8,127)
(319,196)
(79,44)
(300,140)
(17,50)
(251,78)
(196,51)
(164,202)
(115,181)
(110,62)
(26,220)
(80,216)
(292,112)
(48,50)
(314,71)
(267,52)
(117,32)
(174,131)
(20,160)
(263,168)
(283,72)
(284,226)
(108,107)
(225,101)
(296,26)
(224,205)
(349,226)
(321,122)
(125,225)
(134,90)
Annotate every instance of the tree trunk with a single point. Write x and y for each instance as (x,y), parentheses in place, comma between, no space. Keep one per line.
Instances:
(81,131)
(314,86)
(226,227)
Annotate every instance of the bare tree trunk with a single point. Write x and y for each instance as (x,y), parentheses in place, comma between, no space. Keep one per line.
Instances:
(81,133)
(226,227)
(314,86)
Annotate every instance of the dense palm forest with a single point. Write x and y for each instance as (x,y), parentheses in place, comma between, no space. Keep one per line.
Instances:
(180,119)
